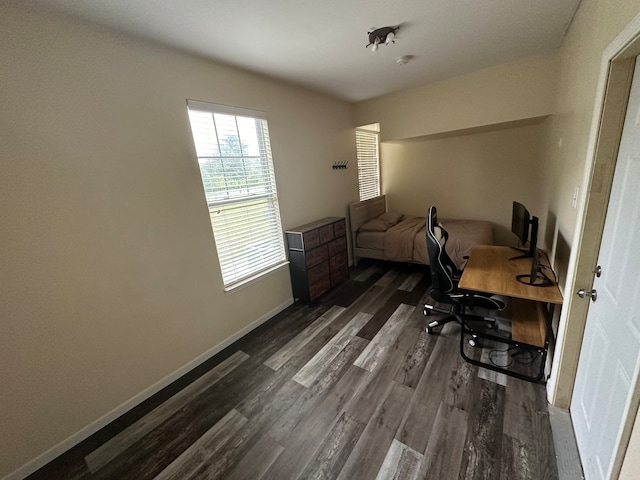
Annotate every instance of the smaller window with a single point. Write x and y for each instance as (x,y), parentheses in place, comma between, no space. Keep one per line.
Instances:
(367,141)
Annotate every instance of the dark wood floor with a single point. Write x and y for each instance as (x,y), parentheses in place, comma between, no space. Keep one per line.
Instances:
(348,388)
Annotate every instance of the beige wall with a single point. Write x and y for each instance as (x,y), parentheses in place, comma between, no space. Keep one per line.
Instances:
(504,93)
(595,25)
(469,176)
(110,281)
(471,144)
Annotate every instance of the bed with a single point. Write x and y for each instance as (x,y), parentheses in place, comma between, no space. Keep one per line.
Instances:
(379,234)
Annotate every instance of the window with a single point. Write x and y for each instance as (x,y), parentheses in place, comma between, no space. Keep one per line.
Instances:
(367,139)
(235,161)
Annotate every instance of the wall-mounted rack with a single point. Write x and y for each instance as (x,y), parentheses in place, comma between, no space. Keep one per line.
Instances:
(339,165)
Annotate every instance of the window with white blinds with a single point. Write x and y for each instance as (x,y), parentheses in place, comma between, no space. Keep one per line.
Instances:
(368,164)
(235,161)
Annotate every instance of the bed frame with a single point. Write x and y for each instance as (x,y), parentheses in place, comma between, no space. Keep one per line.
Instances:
(359,214)
(364,211)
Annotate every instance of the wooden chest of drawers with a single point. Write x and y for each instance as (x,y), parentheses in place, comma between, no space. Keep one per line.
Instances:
(318,257)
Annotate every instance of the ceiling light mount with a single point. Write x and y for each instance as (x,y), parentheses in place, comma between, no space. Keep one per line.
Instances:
(380,35)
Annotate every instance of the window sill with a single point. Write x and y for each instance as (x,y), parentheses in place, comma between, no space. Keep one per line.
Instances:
(255,278)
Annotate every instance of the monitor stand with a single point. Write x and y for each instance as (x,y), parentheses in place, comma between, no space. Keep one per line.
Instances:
(538,280)
(524,251)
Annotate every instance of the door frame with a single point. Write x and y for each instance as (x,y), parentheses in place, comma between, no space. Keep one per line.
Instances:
(614,84)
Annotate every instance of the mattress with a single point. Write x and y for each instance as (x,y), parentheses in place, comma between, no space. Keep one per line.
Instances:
(370,240)
(409,244)
(387,235)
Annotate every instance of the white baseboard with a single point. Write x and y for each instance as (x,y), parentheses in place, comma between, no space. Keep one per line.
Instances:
(57,450)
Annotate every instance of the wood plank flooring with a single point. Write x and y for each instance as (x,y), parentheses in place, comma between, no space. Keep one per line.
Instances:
(350,387)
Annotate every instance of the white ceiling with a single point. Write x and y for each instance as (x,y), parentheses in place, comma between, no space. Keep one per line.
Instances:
(321,44)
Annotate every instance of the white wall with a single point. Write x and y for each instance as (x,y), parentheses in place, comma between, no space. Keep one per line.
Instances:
(110,281)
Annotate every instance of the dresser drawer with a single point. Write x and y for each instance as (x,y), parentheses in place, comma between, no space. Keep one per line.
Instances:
(326,233)
(317,255)
(317,273)
(318,288)
(340,228)
(338,260)
(311,239)
(337,245)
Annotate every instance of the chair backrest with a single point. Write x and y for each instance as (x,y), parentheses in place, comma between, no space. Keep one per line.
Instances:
(442,267)
(445,274)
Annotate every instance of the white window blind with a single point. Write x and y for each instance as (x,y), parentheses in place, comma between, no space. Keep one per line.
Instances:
(368,163)
(235,161)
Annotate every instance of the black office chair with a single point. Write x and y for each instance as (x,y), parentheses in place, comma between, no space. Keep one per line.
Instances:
(444,288)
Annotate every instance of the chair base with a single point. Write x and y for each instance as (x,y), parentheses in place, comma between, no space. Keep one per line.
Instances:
(440,322)
(451,317)
(453,314)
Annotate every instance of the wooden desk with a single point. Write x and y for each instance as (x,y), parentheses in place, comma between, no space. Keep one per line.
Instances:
(492,269)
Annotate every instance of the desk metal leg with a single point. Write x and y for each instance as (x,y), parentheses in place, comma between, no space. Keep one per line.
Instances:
(542,351)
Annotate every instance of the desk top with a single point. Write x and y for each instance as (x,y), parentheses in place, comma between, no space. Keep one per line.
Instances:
(490,270)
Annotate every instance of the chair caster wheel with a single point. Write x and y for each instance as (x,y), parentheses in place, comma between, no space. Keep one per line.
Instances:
(426,312)
(473,341)
(429,330)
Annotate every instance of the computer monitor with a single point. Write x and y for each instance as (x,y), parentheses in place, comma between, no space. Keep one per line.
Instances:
(521,220)
(525,227)
(535,278)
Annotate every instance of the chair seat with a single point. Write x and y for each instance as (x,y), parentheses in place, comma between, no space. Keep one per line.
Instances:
(493,302)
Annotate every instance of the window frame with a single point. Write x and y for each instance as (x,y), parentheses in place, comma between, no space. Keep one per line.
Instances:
(243,254)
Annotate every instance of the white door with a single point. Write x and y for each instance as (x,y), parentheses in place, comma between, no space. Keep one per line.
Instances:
(609,359)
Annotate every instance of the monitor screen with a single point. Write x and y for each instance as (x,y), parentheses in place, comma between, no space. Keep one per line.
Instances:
(520,220)
(525,227)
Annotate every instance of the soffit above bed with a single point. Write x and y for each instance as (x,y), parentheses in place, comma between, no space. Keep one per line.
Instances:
(474,130)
